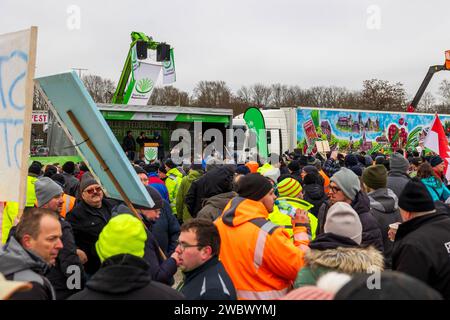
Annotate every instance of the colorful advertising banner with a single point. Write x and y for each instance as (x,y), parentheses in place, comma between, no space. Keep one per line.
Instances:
(361,130)
(169,75)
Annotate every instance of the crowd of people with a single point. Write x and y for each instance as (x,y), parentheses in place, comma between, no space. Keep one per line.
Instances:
(307,227)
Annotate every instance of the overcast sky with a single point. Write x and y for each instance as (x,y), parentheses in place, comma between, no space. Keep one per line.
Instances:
(306,43)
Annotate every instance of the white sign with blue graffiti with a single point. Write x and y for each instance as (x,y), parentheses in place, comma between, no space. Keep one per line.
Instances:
(15,111)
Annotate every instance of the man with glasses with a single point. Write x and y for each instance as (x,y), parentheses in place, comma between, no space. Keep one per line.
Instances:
(345,186)
(88,217)
(198,251)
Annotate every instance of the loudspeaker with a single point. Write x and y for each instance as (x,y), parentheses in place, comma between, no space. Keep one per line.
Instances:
(163,52)
(141,50)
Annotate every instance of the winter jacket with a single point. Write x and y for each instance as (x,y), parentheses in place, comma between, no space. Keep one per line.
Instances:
(173,181)
(331,167)
(155,182)
(166,230)
(314,194)
(396,181)
(330,252)
(218,180)
(437,190)
(128,144)
(71,184)
(125,277)
(209,281)
(11,209)
(19,264)
(66,260)
(87,223)
(384,207)
(213,207)
(160,269)
(182,210)
(326,181)
(283,220)
(371,234)
(268,260)
(422,249)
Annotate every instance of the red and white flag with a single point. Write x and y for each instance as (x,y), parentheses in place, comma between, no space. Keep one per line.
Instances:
(436,140)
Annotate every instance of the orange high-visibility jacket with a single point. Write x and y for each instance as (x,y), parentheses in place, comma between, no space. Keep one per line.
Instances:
(259,256)
(69,203)
(326,181)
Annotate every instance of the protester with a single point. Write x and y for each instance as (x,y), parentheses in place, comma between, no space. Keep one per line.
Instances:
(155,181)
(256,245)
(49,196)
(351,162)
(88,217)
(326,180)
(331,165)
(205,277)
(414,166)
(397,176)
(422,241)
(435,186)
(72,183)
(123,274)
(213,206)
(129,145)
(172,182)
(338,248)
(68,201)
(11,209)
(30,251)
(182,210)
(212,183)
(313,192)
(439,168)
(345,186)
(383,204)
(295,170)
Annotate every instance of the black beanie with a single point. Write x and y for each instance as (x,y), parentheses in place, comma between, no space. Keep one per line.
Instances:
(35,168)
(436,160)
(294,166)
(156,197)
(253,186)
(415,197)
(139,170)
(69,167)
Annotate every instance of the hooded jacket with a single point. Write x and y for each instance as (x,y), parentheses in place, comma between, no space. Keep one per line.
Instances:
(209,281)
(437,189)
(172,182)
(19,264)
(371,231)
(268,260)
(314,194)
(125,277)
(336,253)
(218,180)
(213,207)
(160,269)
(422,249)
(182,210)
(384,207)
(166,229)
(396,181)
(155,182)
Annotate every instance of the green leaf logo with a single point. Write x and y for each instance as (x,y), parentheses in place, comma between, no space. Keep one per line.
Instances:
(167,64)
(150,154)
(144,85)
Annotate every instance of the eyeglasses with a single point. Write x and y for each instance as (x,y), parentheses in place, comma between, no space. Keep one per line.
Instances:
(184,245)
(334,189)
(96,190)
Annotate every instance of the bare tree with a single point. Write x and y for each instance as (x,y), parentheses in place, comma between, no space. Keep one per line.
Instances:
(212,94)
(427,103)
(444,92)
(382,95)
(101,90)
(244,95)
(168,96)
(261,94)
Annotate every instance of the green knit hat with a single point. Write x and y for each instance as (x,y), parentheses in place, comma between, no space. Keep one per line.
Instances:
(375,177)
(124,234)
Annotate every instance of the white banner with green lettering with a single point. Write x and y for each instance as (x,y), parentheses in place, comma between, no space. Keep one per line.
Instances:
(144,79)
